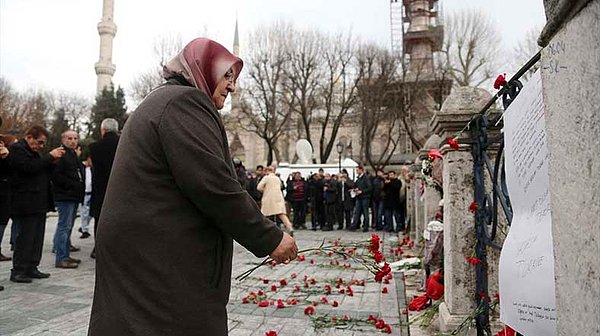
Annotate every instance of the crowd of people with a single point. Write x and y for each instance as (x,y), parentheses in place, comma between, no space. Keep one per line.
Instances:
(34,182)
(331,200)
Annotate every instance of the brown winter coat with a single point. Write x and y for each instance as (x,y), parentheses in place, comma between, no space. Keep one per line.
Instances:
(172,207)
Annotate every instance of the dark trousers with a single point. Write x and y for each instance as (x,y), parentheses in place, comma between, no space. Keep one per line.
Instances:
(299,209)
(318,215)
(29,242)
(391,215)
(344,216)
(377,214)
(331,211)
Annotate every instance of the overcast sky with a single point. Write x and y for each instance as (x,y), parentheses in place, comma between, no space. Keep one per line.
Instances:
(53,44)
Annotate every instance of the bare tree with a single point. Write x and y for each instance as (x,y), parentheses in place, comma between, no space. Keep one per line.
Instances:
(525,49)
(303,78)
(339,88)
(379,102)
(472,47)
(165,48)
(264,110)
(75,109)
(19,111)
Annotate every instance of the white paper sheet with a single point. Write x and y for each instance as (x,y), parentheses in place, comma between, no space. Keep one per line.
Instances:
(526,271)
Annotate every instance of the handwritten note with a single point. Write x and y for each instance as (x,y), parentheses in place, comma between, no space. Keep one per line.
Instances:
(526,271)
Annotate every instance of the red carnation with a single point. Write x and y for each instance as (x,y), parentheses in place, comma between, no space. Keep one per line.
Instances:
(387,329)
(263,304)
(280,304)
(473,207)
(473,261)
(271,333)
(507,331)
(385,270)
(282,282)
(309,310)
(500,81)
(335,304)
(384,290)
(453,143)
(378,256)
(324,300)
(245,300)
(374,246)
(294,275)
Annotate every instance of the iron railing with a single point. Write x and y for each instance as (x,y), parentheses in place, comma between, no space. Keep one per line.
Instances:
(486,215)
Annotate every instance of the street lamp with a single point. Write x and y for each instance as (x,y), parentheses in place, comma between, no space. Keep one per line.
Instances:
(340,148)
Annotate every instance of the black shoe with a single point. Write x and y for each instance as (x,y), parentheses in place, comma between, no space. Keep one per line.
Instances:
(73,248)
(84,235)
(1,288)
(36,274)
(20,278)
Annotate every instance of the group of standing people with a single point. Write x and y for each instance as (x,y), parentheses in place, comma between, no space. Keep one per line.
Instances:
(33,183)
(332,199)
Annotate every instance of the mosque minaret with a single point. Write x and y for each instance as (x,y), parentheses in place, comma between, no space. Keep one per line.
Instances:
(107,30)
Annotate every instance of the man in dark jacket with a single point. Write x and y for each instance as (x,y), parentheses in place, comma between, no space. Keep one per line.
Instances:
(391,203)
(173,207)
(69,188)
(362,189)
(317,218)
(31,199)
(377,200)
(102,154)
(253,183)
(330,191)
(346,203)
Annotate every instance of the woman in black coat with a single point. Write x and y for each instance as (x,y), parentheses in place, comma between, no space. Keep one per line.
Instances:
(173,207)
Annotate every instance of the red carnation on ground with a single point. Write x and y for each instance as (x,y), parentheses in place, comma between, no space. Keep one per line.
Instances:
(271,333)
(387,329)
(453,143)
(283,282)
(500,81)
(274,288)
(280,304)
(294,275)
(473,207)
(335,304)
(263,304)
(378,256)
(310,310)
(385,270)
(384,290)
(245,300)
(374,246)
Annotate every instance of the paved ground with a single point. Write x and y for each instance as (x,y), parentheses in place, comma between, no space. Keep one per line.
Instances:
(60,305)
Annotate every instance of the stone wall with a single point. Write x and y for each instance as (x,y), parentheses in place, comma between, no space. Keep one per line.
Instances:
(570,79)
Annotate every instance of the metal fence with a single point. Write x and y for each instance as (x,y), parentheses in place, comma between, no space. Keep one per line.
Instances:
(489,203)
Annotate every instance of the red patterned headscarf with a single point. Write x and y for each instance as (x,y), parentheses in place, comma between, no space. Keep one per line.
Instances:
(203,62)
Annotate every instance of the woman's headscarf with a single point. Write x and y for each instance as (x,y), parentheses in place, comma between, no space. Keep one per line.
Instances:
(203,62)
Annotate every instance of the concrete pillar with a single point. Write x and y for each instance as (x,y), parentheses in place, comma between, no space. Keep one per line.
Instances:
(570,66)
(459,229)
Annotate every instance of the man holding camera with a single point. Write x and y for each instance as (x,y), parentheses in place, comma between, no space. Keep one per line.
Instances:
(69,189)
(31,198)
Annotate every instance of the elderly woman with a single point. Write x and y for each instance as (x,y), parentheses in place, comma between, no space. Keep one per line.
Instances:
(173,207)
(272,202)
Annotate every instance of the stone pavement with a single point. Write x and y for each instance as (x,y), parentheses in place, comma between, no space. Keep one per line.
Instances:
(60,305)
